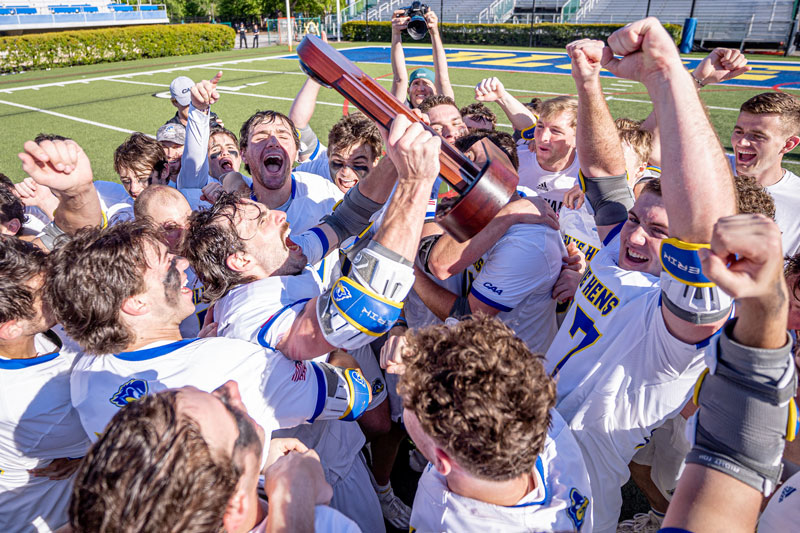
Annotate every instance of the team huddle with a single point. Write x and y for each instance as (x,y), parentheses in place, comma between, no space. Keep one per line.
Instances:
(240,335)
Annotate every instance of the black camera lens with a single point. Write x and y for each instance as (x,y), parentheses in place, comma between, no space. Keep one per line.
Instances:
(417,27)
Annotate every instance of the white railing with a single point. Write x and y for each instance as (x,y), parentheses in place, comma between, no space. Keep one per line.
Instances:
(498,11)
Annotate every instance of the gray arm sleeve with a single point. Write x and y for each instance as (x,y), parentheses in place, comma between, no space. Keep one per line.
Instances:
(194,161)
(745,412)
(610,196)
(426,245)
(351,216)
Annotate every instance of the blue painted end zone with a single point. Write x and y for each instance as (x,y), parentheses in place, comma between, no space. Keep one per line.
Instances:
(763,73)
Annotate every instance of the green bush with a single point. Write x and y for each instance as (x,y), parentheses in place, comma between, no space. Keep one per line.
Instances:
(85,47)
(546,34)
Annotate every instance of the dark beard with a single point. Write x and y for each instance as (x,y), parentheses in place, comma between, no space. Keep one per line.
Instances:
(172,284)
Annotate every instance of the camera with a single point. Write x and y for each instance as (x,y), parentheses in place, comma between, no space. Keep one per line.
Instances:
(417,27)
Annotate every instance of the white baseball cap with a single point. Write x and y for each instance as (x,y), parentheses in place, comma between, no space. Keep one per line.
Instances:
(180,90)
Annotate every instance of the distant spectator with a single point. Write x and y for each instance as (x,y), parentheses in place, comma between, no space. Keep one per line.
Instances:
(255,35)
(181,97)
(242,36)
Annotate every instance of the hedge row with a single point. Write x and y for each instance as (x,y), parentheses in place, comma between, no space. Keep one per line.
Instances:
(546,34)
(85,47)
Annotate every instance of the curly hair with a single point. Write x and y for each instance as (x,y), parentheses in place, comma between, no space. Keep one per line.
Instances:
(503,140)
(208,243)
(436,100)
(90,276)
(140,153)
(19,262)
(791,271)
(753,198)
(785,105)
(353,129)
(480,394)
(151,470)
(479,110)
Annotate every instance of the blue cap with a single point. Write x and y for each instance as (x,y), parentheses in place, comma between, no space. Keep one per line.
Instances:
(422,73)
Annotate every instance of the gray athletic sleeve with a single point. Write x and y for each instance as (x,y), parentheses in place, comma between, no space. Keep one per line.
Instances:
(610,197)
(745,404)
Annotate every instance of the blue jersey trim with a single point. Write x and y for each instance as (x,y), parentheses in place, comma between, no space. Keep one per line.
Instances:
(262,331)
(152,353)
(487,301)
(322,392)
(322,239)
(613,233)
(294,189)
(546,497)
(673,530)
(16,364)
(315,152)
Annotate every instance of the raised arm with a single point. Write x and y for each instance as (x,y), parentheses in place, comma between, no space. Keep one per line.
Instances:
(194,162)
(693,163)
(599,150)
(304,104)
(366,301)
(399,72)
(744,413)
(492,90)
(65,169)
(439,57)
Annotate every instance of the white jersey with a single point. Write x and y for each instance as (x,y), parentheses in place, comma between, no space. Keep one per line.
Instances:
(191,325)
(115,202)
(312,198)
(786,195)
(561,501)
(318,165)
(548,184)
(783,510)
(516,276)
(263,311)
(579,227)
(276,391)
(34,221)
(620,373)
(37,424)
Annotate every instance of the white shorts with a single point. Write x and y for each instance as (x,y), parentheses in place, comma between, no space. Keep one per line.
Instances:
(665,455)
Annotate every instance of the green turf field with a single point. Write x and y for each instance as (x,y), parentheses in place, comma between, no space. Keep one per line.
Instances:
(99,105)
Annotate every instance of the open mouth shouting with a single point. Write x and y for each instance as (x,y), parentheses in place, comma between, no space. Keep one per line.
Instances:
(745,157)
(633,260)
(274,163)
(226,164)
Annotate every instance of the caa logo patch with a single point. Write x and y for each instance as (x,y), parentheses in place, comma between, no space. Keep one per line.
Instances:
(577,509)
(785,493)
(493,288)
(129,392)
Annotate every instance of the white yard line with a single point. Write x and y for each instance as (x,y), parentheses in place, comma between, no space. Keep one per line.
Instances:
(117,80)
(615,98)
(68,117)
(127,75)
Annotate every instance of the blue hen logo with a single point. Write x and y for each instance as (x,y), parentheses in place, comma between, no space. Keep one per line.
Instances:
(129,392)
(577,509)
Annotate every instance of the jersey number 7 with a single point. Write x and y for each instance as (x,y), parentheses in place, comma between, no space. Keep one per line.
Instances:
(581,322)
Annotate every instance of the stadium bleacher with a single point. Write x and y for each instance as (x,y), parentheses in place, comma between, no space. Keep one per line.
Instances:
(40,14)
(751,21)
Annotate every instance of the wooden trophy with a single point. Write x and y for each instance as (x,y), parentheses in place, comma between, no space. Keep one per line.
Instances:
(479,192)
